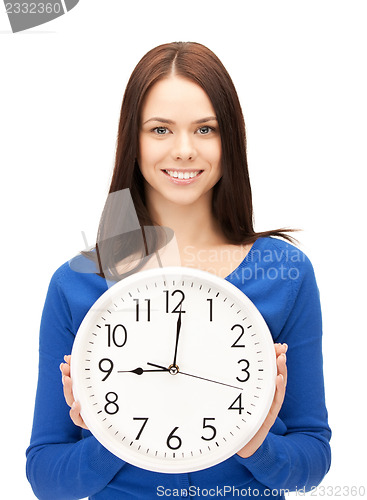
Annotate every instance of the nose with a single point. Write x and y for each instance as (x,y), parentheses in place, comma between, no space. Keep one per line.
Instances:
(184,148)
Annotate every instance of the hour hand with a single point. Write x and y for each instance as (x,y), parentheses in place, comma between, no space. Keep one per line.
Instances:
(161,368)
(140,371)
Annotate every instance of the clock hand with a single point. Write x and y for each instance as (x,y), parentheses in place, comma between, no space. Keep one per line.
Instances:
(178,329)
(209,380)
(162,368)
(172,369)
(140,371)
(190,375)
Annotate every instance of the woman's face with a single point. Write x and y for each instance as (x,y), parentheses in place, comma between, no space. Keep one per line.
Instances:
(179,142)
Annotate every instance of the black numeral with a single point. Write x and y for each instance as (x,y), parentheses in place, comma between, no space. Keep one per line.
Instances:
(111,407)
(172,437)
(177,309)
(210,309)
(236,344)
(102,366)
(207,426)
(245,370)
(118,335)
(142,427)
(239,407)
(138,309)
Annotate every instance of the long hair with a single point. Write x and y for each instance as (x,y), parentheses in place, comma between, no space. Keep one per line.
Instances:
(232,197)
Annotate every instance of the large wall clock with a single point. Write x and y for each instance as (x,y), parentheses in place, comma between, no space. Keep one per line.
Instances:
(174,369)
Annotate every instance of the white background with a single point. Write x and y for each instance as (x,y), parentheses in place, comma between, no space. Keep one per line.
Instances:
(300,71)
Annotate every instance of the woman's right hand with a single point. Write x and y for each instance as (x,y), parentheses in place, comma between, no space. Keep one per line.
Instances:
(68,394)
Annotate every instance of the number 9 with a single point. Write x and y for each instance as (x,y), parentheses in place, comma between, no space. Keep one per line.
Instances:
(108,370)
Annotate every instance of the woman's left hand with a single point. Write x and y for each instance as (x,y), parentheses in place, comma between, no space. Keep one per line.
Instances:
(281,383)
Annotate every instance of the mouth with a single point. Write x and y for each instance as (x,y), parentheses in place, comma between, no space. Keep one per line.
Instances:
(182,176)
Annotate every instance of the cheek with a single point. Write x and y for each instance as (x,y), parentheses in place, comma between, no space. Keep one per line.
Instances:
(142,157)
(150,153)
(212,152)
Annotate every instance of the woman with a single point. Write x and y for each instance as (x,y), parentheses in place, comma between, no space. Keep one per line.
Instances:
(182,153)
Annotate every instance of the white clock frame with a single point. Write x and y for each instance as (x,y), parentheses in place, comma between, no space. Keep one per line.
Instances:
(100,402)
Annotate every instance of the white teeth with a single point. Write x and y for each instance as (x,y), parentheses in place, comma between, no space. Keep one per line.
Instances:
(182,175)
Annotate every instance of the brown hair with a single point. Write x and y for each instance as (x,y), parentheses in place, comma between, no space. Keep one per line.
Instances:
(232,198)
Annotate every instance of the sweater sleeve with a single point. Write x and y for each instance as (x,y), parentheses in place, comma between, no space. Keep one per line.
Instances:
(296,452)
(62,461)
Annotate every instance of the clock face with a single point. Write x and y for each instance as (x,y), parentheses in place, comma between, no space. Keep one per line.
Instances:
(174,369)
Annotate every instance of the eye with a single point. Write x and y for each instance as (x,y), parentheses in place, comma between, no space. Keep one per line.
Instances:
(205,130)
(160,130)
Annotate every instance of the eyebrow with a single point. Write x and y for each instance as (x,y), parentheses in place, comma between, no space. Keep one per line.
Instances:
(171,122)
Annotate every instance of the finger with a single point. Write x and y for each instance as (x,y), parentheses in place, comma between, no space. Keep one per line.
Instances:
(67,359)
(280,348)
(68,391)
(279,392)
(280,387)
(65,369)
(75,415)
(277,402)
(282,366)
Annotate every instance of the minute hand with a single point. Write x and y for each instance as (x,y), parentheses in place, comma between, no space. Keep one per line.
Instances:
(178,329)
(209,380)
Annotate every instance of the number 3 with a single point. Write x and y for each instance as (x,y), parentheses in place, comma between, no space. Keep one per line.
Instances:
(245,370)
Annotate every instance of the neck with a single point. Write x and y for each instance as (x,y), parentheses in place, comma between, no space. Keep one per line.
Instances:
(193,224)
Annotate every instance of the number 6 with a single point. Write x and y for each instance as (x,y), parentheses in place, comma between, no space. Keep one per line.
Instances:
(170,437)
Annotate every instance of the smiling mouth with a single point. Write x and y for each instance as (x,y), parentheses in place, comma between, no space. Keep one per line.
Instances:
(182,174)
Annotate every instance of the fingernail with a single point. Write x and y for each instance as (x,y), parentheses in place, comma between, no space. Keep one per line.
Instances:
(73,406)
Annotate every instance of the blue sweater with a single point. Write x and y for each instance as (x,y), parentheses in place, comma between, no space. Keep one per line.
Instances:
(66,462)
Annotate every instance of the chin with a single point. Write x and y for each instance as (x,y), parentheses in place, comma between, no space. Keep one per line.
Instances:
(183,201)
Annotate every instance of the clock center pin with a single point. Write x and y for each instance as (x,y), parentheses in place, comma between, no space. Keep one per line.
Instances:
(173,369)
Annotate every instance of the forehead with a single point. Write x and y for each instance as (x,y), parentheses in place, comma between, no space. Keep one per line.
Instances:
(176,96)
